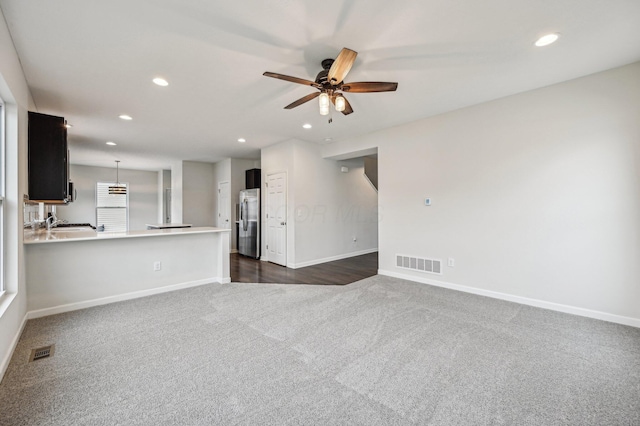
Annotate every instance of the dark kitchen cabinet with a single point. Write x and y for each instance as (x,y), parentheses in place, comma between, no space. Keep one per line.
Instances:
(252,178)
(48,159)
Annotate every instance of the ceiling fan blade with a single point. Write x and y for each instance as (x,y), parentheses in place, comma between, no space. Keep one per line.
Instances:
(347,106)
(302,100)
(369,86)
(292,79)
(341,66)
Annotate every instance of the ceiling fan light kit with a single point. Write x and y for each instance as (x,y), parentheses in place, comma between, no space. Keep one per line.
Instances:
(330,83)
(323,101)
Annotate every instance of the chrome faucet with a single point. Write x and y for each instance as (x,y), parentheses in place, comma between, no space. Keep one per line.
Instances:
(52,221)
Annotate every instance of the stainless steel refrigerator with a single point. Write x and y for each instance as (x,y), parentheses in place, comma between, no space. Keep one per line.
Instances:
(249,223)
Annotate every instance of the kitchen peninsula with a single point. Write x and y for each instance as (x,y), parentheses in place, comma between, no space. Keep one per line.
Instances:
(78,268)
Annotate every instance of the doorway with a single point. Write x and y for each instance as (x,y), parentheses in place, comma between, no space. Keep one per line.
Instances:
(224,205)
(276,215)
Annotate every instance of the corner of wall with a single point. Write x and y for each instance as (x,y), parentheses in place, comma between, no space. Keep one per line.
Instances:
(176,192)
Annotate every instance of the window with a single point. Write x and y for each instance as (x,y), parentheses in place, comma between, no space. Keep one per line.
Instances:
(2,189)
(112,210)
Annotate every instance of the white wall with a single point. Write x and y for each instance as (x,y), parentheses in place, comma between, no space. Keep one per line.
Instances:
(143,195)
(164,183)
(121,268)
(176,192)
(15,93)
(331,208)
(198,193)
(536,196)
(194,191)
(326,208)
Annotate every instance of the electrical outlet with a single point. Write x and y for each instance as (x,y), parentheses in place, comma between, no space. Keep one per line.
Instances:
(451,262)
(157,265)
(355,239)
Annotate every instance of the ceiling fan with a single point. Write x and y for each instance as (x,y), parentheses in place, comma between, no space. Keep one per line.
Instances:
(330,83)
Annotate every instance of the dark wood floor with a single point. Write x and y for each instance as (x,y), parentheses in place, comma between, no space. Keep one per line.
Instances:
(340,272)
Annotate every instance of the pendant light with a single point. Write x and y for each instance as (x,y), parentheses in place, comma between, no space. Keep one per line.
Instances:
(118,189)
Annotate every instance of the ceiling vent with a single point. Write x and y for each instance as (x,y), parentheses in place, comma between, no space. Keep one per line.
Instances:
(433,266)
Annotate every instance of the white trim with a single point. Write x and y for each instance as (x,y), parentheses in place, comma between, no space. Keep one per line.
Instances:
(122,297)
(233,251)
(6,299)
(12,348)
(3,189)
(331,258)
(574,310)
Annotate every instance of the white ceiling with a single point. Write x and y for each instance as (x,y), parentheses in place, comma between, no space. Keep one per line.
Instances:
(91,61)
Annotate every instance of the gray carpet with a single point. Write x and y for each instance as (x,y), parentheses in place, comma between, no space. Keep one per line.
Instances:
(379,351)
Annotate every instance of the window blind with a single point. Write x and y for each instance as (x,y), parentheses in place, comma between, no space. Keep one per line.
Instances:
(112,210)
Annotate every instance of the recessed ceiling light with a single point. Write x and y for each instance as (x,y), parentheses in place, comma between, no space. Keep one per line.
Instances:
(547,39)
(307,126)
(242,140)
(112,143)
(67,125)
(125,117)
(328,139)
(160,81)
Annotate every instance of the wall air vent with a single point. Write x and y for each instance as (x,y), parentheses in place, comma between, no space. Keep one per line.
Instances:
(40,353)
(432,266)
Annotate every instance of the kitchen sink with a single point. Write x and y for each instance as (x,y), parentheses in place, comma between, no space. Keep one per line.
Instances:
(71,229)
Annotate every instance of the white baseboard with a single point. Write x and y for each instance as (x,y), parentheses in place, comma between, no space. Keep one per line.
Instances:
(331,259)
(12,347)
(233,251)
(122,297)
(633,322)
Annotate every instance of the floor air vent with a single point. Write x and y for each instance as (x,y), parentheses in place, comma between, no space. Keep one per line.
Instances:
(433,266)
(40,353)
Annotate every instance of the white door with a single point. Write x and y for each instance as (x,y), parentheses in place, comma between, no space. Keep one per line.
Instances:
(277,218)
(224,205)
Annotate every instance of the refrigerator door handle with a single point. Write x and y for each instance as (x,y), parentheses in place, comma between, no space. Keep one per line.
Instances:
(245,221)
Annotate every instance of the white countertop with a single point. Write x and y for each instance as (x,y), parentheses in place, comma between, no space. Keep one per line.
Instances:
(61,235)
(168,225)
